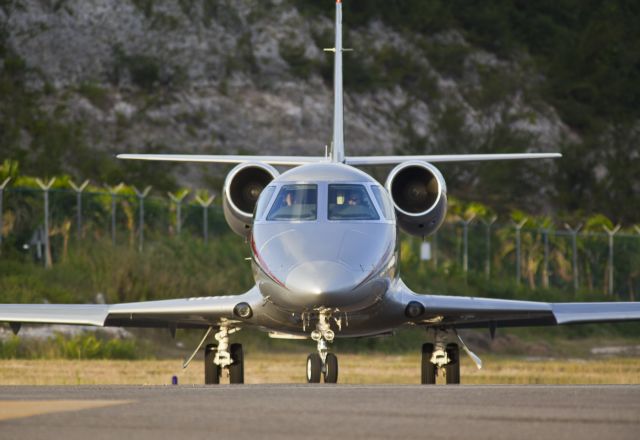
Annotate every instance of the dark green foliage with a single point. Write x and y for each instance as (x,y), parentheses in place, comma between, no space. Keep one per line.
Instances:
(242,58)
(589,50)
(98,95)
(447,59)
(53,145)
(294,55)
(169,268)
(145,71)
(144,6)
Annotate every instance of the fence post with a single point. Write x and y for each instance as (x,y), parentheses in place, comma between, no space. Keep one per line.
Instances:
(465,244)
(611,233)
(205,215)
(435,250)
(78,190)
(545,264)
(113,191)
(47,247)
(2,187)
(487,261)
(574,243)
(141,196)
(177,199)
(518,227)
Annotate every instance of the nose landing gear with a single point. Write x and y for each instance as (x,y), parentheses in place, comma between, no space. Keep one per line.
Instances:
(322,363)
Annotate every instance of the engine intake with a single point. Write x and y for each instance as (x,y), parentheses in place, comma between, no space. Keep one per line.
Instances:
(419,195)
(242,187)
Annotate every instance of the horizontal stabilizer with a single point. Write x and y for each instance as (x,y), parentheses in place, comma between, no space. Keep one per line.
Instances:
(434,158)
(351,160)
(208,158)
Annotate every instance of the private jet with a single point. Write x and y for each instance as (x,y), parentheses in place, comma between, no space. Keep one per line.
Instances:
(324,245)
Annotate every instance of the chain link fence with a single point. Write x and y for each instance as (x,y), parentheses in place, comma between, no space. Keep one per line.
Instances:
(72,216)
(537,257)
(606,262)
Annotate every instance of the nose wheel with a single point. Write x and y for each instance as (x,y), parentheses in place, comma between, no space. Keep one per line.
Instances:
(316,369)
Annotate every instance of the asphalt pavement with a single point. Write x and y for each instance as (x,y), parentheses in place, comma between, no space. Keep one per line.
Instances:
(320,411)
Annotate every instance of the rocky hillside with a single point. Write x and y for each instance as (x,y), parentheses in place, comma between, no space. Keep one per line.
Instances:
(84,79)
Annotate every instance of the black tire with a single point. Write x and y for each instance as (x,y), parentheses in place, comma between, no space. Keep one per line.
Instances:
(428,369)
(211,370)
(236,369)
(452,369)
(314,368)
(331,369)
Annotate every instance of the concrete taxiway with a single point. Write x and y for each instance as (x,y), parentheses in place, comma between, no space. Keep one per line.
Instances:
(320,411)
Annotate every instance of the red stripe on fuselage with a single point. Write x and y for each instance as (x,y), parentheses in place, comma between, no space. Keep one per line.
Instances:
(262,265)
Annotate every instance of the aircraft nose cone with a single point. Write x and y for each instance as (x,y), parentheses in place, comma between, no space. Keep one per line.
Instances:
(322,278)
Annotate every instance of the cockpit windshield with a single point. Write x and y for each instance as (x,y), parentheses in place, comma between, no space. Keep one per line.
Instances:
(350,202)
(263,201)
(295,202)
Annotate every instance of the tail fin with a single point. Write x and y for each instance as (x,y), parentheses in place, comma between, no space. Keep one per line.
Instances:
(337,146)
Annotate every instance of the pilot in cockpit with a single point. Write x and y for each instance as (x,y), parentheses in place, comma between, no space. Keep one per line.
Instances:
(289,198)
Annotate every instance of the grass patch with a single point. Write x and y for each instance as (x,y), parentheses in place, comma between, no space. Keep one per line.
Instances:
(375,368)
(82,346)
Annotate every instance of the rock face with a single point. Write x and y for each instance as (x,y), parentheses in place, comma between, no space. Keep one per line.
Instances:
(246,76)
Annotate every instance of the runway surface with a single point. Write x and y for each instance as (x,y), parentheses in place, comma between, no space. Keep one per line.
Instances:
(320,411)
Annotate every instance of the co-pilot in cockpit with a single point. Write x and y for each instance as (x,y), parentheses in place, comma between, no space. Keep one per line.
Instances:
(350,202)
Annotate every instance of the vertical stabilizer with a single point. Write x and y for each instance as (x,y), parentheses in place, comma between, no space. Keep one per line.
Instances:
(337,149)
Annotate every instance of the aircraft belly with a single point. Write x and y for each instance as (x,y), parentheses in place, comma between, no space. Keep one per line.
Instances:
(378,319)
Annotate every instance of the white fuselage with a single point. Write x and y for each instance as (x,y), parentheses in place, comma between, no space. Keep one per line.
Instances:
(328,253)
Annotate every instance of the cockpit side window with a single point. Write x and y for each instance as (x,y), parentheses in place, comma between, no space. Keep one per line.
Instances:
(295,202)
(263,201)
(382,197)
(350,202)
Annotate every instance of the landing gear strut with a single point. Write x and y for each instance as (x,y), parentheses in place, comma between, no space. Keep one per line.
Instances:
(223,356)
(322,363)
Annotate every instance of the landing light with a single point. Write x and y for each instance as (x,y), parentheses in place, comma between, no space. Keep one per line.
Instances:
(243,310)
(414,309)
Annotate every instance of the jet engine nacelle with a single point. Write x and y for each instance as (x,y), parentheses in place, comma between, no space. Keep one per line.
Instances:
(419,195)
(242,187)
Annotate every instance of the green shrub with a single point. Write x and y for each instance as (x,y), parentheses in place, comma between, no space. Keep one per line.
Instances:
(82,346)
(294,55)
(98,96)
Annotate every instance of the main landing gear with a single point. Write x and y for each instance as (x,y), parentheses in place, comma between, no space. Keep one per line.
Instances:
(322,363)
(223,356)
(440,357)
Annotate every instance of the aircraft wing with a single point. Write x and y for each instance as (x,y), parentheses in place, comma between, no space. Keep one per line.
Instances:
(469,312)
(198,312)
